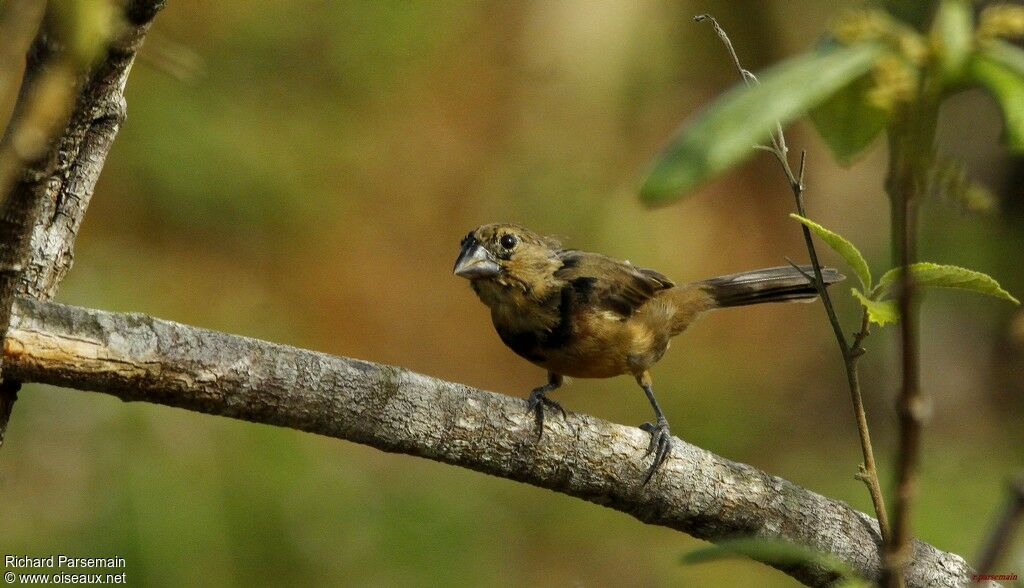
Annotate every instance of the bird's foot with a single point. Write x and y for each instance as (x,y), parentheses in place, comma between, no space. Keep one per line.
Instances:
(537,401)
(661,445)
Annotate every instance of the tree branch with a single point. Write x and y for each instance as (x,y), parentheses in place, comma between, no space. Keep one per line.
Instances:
(18,210)
(46,183)
(140,358)
(61,183)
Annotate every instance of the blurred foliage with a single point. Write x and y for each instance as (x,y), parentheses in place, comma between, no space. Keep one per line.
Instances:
(309,184)
(830,83)
(780,553)
(724,134)
(84,26)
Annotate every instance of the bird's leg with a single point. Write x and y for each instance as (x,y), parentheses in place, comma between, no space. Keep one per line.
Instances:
(538,400)
(661,437)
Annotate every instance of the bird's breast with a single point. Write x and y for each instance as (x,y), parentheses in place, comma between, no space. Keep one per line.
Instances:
(595,343)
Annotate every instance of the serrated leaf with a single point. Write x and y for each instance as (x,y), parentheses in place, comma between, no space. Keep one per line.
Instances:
(1007,86)
(848,122)
(934,275)
(953,34)
(841,246)
(775,551)
(880,312)
(726,131)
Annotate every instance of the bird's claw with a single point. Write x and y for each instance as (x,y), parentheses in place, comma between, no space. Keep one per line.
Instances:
(536,403)
(660,446)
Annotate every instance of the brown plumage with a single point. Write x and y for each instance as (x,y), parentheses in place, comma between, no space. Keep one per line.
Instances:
(586,315)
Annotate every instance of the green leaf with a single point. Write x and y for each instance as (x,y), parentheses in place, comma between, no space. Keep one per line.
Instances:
(775,551)
(847,121)
(880,312)
(953,34)
(1007,86)
(841,246)
(934,275)
(1006,54)
(726,131)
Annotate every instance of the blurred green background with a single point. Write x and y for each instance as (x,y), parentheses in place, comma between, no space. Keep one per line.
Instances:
(303,172)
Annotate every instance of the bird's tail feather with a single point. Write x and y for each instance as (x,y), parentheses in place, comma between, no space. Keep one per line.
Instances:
(775,284)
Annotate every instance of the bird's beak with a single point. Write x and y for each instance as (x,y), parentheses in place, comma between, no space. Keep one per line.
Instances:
(475,262)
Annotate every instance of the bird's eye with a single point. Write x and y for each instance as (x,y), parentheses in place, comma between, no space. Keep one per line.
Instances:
(508,241)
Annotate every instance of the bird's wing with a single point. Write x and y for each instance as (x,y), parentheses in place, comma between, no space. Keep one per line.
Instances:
(607,283)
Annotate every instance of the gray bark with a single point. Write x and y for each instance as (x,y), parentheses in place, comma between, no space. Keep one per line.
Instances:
(41,214)
(56,189)
(140,358)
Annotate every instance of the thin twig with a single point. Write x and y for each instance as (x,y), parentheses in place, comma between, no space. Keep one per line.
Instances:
(859,336)
(747,76)
(1011,516)
(809,277)
(851,355)
(868,472)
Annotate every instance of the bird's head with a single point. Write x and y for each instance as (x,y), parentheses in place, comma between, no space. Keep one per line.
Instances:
(508,254)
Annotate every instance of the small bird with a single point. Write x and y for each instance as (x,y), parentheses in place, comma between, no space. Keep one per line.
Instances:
(585,315)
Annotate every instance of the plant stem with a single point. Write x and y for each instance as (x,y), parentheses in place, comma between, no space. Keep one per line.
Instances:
(911,156)
(851,353)
(851,356)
